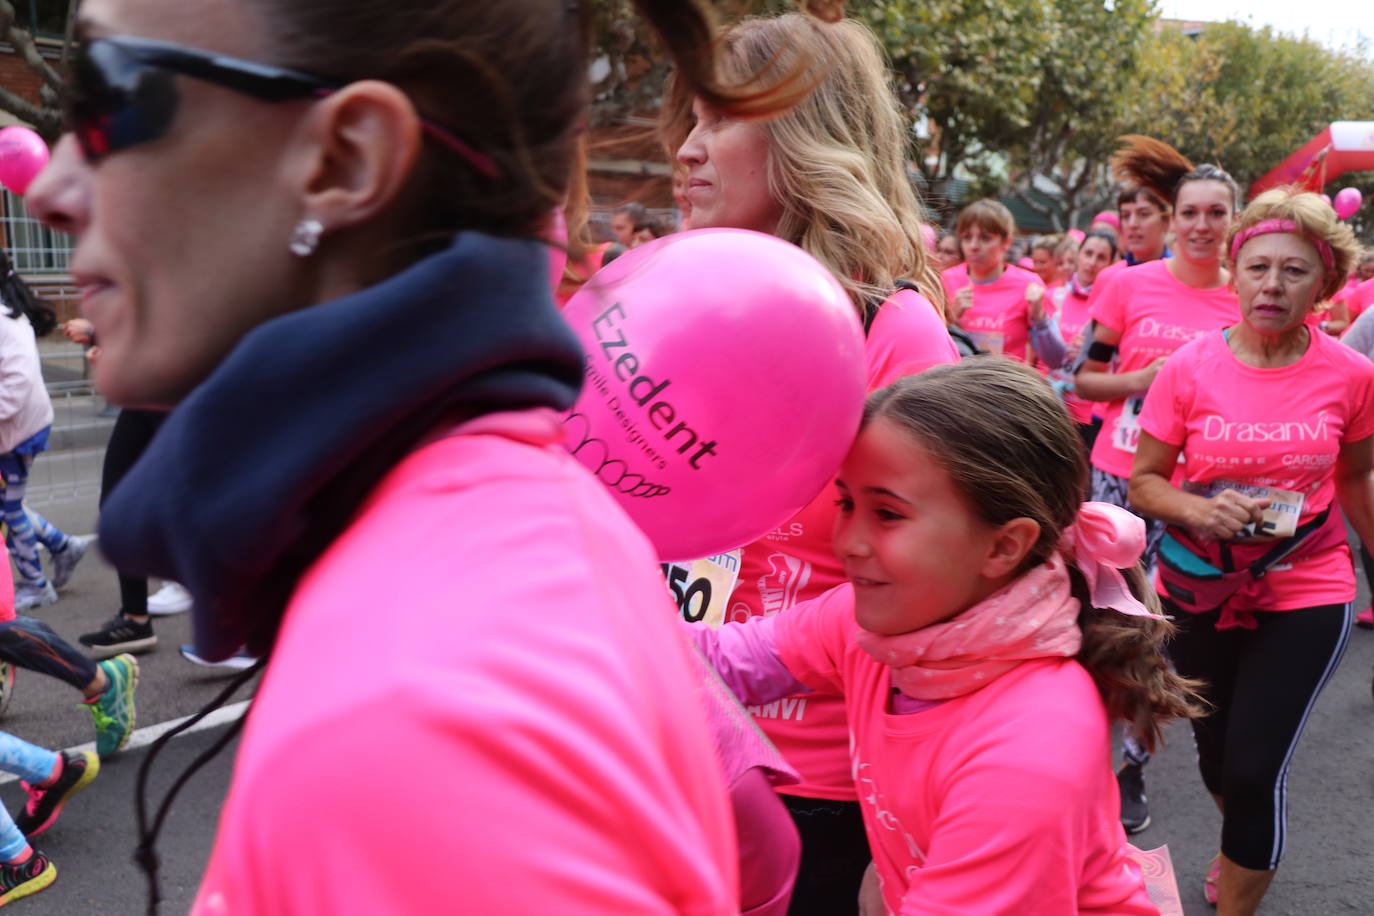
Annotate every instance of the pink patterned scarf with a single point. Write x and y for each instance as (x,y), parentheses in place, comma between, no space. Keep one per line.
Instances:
(1034,616)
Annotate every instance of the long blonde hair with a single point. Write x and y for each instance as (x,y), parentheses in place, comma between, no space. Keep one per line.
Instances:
(836,158)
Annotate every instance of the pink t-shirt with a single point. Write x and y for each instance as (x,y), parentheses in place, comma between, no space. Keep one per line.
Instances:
(999,319)
(526,677)
(1279,428)
(1155,315)
(1071,310)
(1359,298)
(999,801)
(796,562)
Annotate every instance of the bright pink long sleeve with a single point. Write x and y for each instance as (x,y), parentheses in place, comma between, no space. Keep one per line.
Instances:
(513,725)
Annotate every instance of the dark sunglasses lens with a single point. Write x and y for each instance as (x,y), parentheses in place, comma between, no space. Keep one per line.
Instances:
(117,102)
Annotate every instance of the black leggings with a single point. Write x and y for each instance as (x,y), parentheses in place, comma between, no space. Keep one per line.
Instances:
(133,430)
(834,856)
(30,643)
(1263,684)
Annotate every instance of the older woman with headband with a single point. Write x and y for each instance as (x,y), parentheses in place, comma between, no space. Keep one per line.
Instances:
(1274,424)
(315,229)
(828,175)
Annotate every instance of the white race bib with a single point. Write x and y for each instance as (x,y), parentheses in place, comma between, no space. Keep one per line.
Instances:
(1126,436)
(701,588)
(1280,519)
(991,341)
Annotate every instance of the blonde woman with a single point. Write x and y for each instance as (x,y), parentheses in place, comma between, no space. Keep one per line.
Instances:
(830,176)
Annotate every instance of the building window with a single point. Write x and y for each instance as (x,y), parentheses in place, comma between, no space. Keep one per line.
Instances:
(33,247)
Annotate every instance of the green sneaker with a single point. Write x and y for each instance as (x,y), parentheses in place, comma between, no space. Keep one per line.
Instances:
(114,711)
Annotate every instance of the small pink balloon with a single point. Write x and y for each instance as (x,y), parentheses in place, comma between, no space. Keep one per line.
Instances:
(23,154)
(724,384)
(1348,202)
(1076,234)
(1326,199)
(929,237)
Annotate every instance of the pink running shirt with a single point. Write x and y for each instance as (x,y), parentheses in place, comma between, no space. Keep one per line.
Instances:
(1278,428)
(1072,312)
(999,801)
(796,562)
(513,726)
(1155,315)
(999,319)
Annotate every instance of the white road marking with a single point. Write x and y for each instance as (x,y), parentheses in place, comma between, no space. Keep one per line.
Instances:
(142,737)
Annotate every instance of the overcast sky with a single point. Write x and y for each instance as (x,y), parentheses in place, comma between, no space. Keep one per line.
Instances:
(1335,23)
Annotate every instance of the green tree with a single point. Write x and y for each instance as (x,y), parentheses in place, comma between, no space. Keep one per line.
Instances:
(1247,97)
(17,26)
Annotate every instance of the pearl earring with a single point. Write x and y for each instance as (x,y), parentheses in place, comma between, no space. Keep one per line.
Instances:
(305,238)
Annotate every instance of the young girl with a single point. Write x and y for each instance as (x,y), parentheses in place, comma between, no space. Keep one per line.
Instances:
(987,296)
(25,420)
(984,641)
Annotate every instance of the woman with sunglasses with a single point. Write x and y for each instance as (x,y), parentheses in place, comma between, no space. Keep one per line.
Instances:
(314,230)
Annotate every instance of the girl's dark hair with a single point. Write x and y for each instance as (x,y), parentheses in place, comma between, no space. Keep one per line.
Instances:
(1102,236)
(508,78)
(1145,163)
(15,293)
(1002,435)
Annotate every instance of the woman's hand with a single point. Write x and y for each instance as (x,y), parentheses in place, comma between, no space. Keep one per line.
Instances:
(1146,377)
(1074,347)
(1222,517)
(79,330)
(1035,298)
(963,301)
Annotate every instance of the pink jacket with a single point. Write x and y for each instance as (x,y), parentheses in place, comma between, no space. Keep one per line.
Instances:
(479,702)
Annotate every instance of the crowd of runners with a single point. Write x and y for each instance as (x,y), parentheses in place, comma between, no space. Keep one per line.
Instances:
(1102,482)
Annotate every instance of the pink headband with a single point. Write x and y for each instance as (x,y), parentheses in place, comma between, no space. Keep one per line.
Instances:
(1266,226)
(1103,541)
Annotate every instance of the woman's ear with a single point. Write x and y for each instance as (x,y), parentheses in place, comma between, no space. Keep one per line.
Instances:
(1010,545)
(356,150)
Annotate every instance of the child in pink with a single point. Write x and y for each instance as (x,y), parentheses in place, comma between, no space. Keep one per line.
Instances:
(979,744)
(794,563)
(999,319)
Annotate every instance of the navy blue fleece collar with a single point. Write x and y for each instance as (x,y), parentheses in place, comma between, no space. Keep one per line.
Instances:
(264,464)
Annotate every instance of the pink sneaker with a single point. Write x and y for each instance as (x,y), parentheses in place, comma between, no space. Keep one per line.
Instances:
(1209,884)
(1365,619)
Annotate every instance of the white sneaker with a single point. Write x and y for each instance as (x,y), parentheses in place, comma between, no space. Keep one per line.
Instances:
(27,597)
(237,662)
(172,598)
(64,563)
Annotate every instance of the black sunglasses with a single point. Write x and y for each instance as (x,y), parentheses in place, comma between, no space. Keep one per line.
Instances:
(123,93)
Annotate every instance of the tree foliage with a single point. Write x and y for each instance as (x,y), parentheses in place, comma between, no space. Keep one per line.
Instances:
(45,114)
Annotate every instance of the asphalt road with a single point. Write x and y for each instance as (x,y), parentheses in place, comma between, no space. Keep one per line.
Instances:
(1331,804)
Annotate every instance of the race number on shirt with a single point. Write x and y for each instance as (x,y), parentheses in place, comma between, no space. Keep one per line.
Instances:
(701,588)
(1279,520)
(1126,436)
(991,341)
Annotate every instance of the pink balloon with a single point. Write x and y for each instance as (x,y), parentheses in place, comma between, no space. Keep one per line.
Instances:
(1077,235)
(1348,202)
(929,237)
(1326,199)
(724,383)
(23,154)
